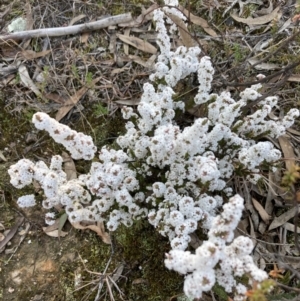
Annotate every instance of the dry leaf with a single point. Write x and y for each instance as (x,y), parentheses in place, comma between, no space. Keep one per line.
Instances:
(2,228)
(26,80)
(55,97)
(23,232)
(128,102)
(263,66)
(52,227)
(119,70)
(261,211)
(296,18)
(243,226)
(259,20)
(112,44)
(6,12)
(298,196)
(69,166)
(148,64)
(99,229)
(199,21)
(29,18)
(139,281)
(294,78)
(265,10)
(138,60)
(84,38)
(286,25)
(272,185)
(125,46)
(55,230)
(183,31)
(76,19)
(288,152)
(283,218)
(138,43)
(55,233)
(30,54)
(252,232)
(9,49)
(13,230)
(117,274)
(72,101)
(290,227)
(2,157)
(29,22)
(146,15)
(293,131)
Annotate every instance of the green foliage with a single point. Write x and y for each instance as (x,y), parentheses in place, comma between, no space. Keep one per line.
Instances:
(89,78)
(260,291)
(100,110)
(220,292)
(238,52)
(28,114)
(74,71)
(291,176)
(285,296)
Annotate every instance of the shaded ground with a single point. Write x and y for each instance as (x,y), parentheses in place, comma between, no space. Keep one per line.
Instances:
(48,268)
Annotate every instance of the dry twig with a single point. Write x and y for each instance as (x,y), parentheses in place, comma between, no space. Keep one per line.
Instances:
(69,30)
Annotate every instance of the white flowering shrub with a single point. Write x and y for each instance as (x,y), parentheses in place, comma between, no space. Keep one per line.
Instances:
(174,177)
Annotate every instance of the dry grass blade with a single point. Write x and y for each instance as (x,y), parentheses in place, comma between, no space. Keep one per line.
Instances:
(259,20)
(104,278)
(73,100)
(116,286)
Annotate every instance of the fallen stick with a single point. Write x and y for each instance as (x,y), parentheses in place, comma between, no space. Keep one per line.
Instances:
(69,30)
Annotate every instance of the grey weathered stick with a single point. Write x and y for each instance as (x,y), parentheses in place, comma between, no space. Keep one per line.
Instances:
(62,31)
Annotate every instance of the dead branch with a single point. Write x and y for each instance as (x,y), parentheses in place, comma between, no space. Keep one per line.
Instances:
(69,30)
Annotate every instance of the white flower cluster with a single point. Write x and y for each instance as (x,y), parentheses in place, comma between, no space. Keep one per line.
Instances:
(79,145)
(175,177)
(178,215)
(233,260)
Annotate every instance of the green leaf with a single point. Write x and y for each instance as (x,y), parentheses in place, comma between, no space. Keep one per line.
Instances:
(62,221)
